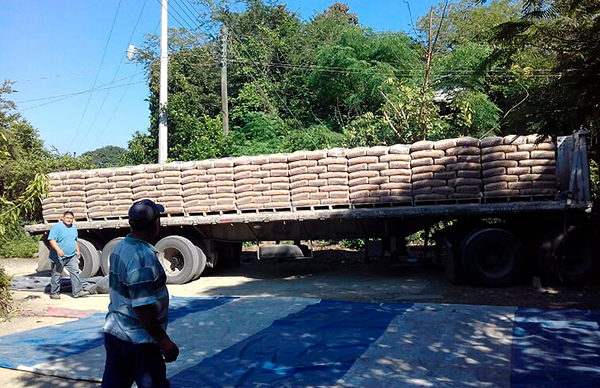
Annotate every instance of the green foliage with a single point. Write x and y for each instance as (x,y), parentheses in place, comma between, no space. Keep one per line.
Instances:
(195,137)
(14,243)
(412,113)
(595,180)
(475,115)
(316,137)
(261,134)
(354,244)
(368,130)
(23,164)
(466,22)
(5,296)
(108,156)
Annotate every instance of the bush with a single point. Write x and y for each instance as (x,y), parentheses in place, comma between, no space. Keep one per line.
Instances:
(16,244)
(5,297)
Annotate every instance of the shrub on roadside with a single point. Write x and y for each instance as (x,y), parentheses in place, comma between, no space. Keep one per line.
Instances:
(16,244)
(5,297)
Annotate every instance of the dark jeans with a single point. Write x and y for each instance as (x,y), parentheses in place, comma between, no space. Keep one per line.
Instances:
(127,362)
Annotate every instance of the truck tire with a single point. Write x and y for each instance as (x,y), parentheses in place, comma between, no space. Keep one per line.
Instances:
(567,256)
(107,250)
(492,257)
(89,262)
(202,263)
(179,257)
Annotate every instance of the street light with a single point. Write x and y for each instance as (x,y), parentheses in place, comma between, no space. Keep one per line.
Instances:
(131,50)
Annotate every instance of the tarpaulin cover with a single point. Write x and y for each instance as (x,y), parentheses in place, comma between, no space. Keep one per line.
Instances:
(299,342)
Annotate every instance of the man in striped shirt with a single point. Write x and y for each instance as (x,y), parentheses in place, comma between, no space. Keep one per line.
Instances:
(136,342)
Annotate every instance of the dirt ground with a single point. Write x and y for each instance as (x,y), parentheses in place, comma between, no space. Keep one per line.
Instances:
(330,274)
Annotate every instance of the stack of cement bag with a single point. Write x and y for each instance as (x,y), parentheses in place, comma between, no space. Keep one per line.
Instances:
(446,169)
(318,177)
(261,182)
(108,192)
(379,174)
(451,169)
(204,186)
(67,193)
(518,165)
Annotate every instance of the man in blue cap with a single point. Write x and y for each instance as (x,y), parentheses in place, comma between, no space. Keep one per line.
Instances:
(135,337)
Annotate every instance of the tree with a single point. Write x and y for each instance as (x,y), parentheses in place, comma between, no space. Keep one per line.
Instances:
(24,163)
(108,156)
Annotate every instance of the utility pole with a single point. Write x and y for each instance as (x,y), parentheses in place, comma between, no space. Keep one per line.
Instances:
(224,104)
(164,61)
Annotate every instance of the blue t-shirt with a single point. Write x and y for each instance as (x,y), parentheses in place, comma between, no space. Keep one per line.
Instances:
(66,238)
(136,279)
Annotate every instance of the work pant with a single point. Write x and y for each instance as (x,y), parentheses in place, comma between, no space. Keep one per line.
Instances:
(71,264)
(127,362)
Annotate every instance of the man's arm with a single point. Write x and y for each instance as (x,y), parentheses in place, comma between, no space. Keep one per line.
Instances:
(147,317)
(77,248)
(55,246)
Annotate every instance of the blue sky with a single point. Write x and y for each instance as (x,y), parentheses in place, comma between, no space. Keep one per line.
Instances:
(56,50)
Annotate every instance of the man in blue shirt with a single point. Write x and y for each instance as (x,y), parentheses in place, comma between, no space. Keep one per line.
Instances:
(137,345)
(65,255)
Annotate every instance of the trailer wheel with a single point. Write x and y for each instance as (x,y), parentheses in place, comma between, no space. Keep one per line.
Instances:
(492,257)
(179,257)
(202,263)
(107,250)
(89,262)
(567,256)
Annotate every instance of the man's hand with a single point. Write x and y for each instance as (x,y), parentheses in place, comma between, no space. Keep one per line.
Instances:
(147,317)
(169,350)
(60,252)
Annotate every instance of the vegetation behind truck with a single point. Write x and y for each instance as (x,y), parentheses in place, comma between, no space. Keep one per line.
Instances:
(536,191)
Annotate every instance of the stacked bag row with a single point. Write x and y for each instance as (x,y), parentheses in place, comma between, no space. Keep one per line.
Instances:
(446,169)
(450,169)
(206,186)
(67,193)
(379,174)
(260,182)
(518,165)
(318,177)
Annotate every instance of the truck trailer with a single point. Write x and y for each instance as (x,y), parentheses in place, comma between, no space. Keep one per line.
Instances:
(503,206)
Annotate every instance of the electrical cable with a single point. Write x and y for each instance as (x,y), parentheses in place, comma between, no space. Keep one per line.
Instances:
(73,95)
(97,74)
(114,77)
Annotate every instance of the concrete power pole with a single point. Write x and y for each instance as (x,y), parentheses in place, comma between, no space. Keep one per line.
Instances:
(164,61)
(224,104)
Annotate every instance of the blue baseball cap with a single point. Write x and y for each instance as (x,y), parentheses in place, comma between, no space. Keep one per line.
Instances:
(144,211)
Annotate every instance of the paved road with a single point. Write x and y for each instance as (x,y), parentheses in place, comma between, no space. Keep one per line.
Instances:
(465,339)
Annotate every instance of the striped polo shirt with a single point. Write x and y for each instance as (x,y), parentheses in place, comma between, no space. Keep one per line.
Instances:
(136,279)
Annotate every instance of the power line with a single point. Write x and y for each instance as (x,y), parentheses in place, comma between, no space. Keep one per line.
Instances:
(114,76)
(122,95)
(97,74)
(114,111)
(43,78)
(265,75)
(191,18)
(173,16)
(196,21)
(75,94)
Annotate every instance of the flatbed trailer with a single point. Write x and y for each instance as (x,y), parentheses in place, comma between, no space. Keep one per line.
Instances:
(492,239)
